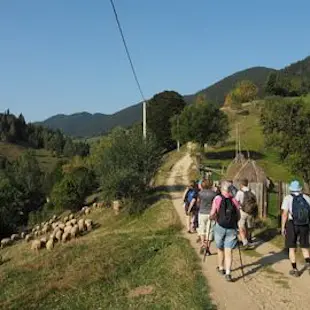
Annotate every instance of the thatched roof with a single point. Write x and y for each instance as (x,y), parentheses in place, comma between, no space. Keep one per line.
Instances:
(247,169)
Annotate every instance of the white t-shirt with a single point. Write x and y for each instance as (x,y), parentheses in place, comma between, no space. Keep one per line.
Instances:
(287,204)
(240,195)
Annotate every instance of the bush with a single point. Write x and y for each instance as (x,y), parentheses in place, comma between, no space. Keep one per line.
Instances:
(128,164)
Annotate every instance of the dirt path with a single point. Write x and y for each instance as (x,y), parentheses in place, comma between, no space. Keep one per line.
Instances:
(267,284)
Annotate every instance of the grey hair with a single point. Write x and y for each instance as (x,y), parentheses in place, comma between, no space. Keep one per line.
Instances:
(225,186)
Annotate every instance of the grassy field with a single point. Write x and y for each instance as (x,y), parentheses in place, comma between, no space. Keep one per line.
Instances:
(12,151)
(126,263)
(252,141)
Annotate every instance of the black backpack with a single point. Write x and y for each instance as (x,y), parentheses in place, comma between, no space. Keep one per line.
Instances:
(300,210)
(227,215)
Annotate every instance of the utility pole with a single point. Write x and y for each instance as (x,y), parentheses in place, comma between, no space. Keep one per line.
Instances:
(144,119)
(178,142)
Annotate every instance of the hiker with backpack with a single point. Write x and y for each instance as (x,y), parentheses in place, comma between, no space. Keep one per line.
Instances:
(248,211)
(295,224)
(190,204)
(206,225)
(225,211)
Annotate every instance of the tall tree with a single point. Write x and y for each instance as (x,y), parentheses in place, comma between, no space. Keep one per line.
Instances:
(201,123)
(160,109)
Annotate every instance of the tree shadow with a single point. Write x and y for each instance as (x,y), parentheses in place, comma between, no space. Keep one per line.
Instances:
(266,261)
(230,155)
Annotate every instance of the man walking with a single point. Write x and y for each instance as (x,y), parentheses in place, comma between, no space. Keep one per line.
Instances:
(248,211)
(295,224)
(205,226)
(225,210)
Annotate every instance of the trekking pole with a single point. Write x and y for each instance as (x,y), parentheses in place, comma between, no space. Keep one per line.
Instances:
(240,256)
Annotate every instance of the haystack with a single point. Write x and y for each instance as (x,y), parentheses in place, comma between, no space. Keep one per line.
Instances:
(246,169)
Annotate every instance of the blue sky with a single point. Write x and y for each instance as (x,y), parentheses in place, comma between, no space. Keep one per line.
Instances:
(66,56)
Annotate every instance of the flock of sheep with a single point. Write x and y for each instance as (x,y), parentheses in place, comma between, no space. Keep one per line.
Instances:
(46,234)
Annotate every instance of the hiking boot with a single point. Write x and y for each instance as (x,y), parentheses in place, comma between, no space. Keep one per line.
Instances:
(228,278)
(222,272)
(294,273)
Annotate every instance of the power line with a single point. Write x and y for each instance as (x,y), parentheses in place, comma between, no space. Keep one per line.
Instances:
(127,51)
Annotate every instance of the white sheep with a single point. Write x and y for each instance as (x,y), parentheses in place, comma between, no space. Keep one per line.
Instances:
(43,241)
(36,245)
(81,225)
(74,231)
(14,237)
(58,235)
(23,235)
(67,229)
(89,224)
(5,242)
(28,237)
(49,244)
(73,221)
(65,236)
(87,211)
(66,219)
(61,226)
(71,216)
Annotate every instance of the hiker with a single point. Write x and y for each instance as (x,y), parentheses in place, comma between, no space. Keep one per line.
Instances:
(206,225)
(248,212)
(225,210)
(295,224)
(190,205)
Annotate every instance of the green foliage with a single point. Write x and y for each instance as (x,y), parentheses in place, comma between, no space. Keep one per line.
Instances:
(245,91)
(160,109)
(287,85)
(202,123)
(128,164)
(286,126)
(10,206)
(15,130)
(72,189)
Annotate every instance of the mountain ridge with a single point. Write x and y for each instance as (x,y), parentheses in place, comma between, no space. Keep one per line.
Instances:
(85,124)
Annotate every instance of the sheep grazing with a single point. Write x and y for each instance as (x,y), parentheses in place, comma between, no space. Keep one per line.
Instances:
(14,237)
(54,218)
(81,225)
(71,216)
(74,231)
(87,211)
(6,242)
(28,237)
(46,228)
(89,224)
(58,235)
(67,229)
(61,226)
(66,219)
(36,245)
(65,236)
(23,235)
(49,244)
(73,221)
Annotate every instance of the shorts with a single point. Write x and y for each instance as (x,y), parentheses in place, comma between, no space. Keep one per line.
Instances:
(246,220)
(205,226)
(225,238)
(293,233)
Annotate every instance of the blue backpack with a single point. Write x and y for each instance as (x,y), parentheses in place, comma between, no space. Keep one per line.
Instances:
(191,193)
(300,210)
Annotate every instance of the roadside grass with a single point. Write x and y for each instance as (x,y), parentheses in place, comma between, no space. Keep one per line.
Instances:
(137,262)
